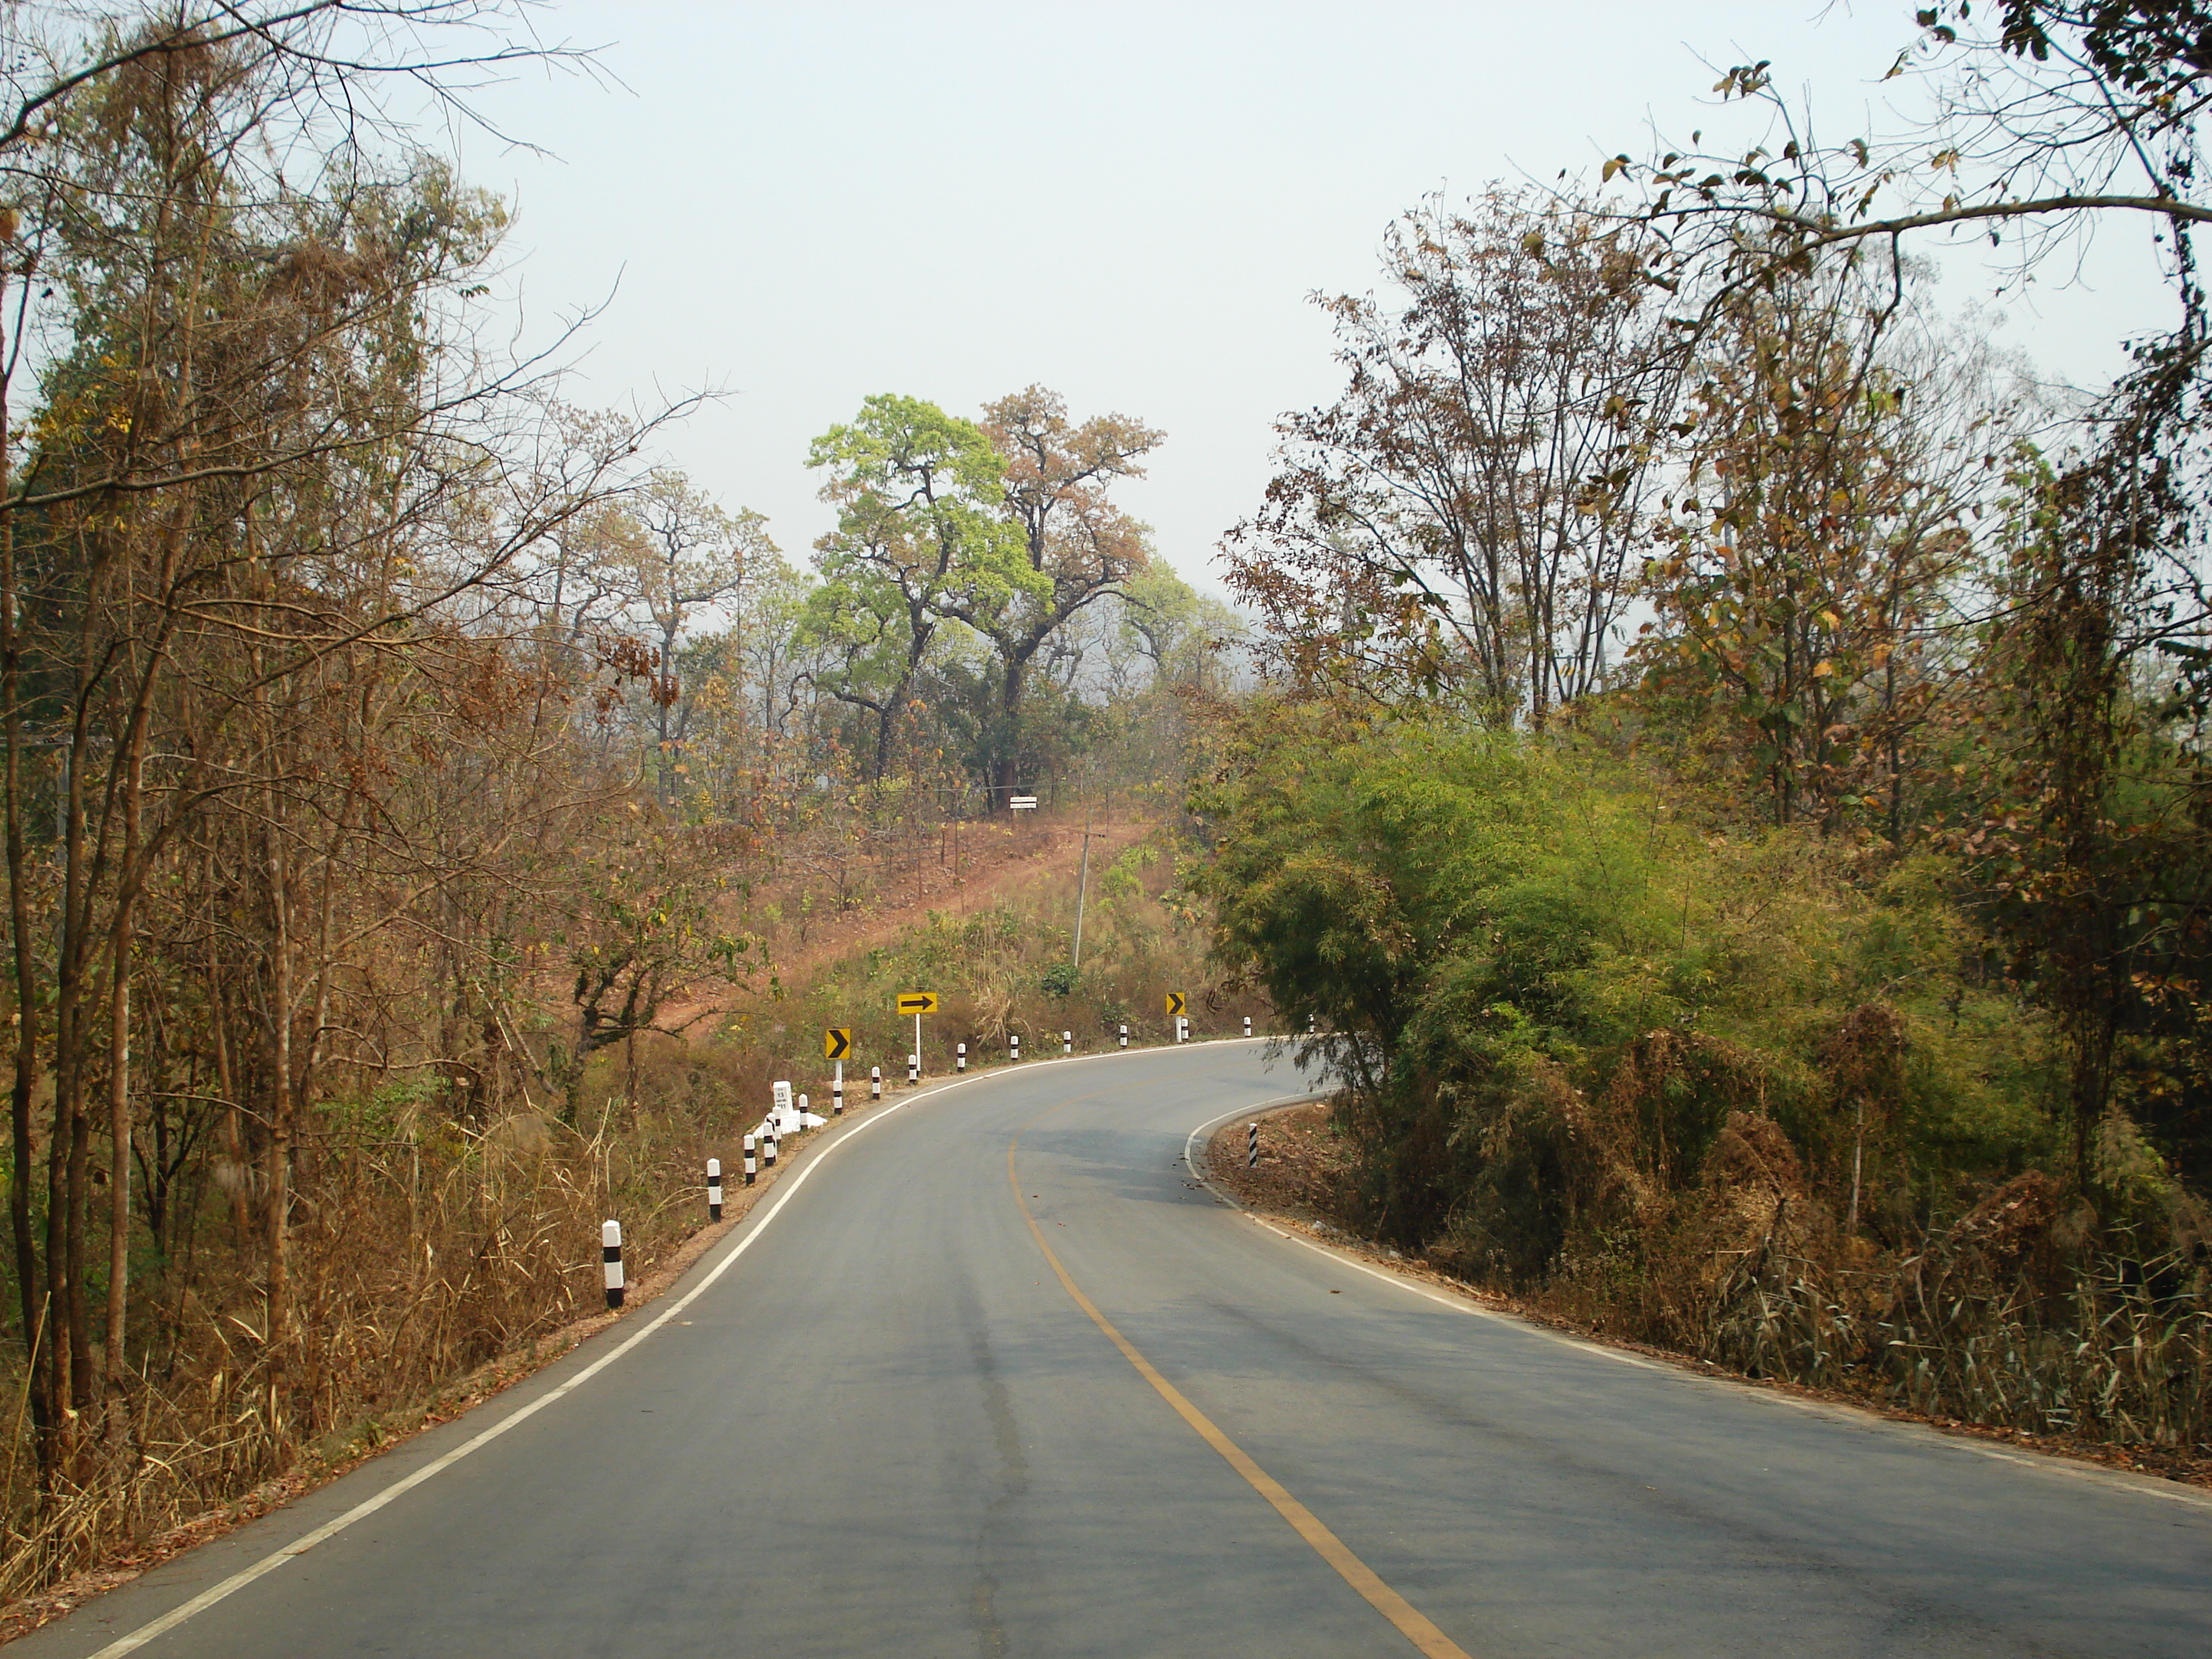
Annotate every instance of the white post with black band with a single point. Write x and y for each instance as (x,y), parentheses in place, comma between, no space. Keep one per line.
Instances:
(610,1254)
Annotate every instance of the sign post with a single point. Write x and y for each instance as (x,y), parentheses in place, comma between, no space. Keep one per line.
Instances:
(836,1043)
(916,1003)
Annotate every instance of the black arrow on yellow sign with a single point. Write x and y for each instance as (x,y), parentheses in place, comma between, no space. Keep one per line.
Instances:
(1176,1003)
(917,1002)
(836,1042)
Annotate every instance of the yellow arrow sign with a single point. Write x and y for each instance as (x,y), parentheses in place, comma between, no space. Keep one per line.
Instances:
(1176,1003)
(917,1002)
(836,1042)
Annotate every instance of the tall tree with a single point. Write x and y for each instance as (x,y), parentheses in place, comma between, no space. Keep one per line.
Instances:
(1463,515)
(1079,544)
(694,556)
(1819,543)
(920,540)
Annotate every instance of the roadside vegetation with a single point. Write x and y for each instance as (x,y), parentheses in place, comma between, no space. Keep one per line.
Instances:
(1732,777)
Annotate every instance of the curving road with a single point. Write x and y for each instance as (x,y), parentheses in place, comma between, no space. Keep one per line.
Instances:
(926,1409)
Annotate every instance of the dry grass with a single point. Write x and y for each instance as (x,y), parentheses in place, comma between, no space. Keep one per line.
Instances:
(188,1479)
(2107,1356)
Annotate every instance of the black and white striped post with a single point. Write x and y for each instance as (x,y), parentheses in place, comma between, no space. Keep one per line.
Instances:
(875,1083)
(767,1146)
(1125,1037)
(1309,1024)
(611,1253)
(1014,1040)
(749,1163)
(713,1189)
(960,1057)
(1183,1029)
(1067,1042)
(802,1114)
(914,1068)
(837,1091)
(1247,1025)
(1252,1146)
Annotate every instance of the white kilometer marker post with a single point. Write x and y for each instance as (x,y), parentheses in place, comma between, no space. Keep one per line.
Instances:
(1252,1146)
(713,1189)
(875,1083)
(611,1253)
(960,1064)
(1125,1037)
(749,1160)
(1067,1042)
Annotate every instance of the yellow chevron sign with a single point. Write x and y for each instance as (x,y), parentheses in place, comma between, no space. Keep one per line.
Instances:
(1176,1004)
(836,1042)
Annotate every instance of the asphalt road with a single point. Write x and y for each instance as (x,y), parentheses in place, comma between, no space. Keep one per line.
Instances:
(893,1426)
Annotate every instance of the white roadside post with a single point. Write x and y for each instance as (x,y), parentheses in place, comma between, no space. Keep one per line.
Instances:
(1309,1024)
(749,1160)
(610,1254)
(875,1083)
(800,1127)
(914,1064)
(1067,1042)
(837,1093)
(1183,1029)
(713,1189)
(1247,1025)
(1252,1146)
(768,1144)
(1125,1037)
(1016,1042)
(960,1062)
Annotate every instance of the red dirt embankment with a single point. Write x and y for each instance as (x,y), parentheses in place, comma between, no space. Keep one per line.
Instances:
(974,866)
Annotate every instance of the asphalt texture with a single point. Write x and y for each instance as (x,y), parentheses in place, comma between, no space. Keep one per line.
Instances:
(889,1428)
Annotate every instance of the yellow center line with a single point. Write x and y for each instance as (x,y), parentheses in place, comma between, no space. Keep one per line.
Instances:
(1412,1624)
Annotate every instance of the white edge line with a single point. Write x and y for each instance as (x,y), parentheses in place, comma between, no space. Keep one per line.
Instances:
(1457,1305)
(2112,1479)
(369,1506)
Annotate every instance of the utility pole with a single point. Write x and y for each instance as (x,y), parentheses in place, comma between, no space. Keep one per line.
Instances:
(1082,892)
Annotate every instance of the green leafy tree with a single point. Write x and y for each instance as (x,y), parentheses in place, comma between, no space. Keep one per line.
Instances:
(921,543)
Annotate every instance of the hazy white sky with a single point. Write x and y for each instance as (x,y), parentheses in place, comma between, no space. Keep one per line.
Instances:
(803,203)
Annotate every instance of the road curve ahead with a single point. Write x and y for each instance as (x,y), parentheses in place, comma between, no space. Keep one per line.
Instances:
(998,1378)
